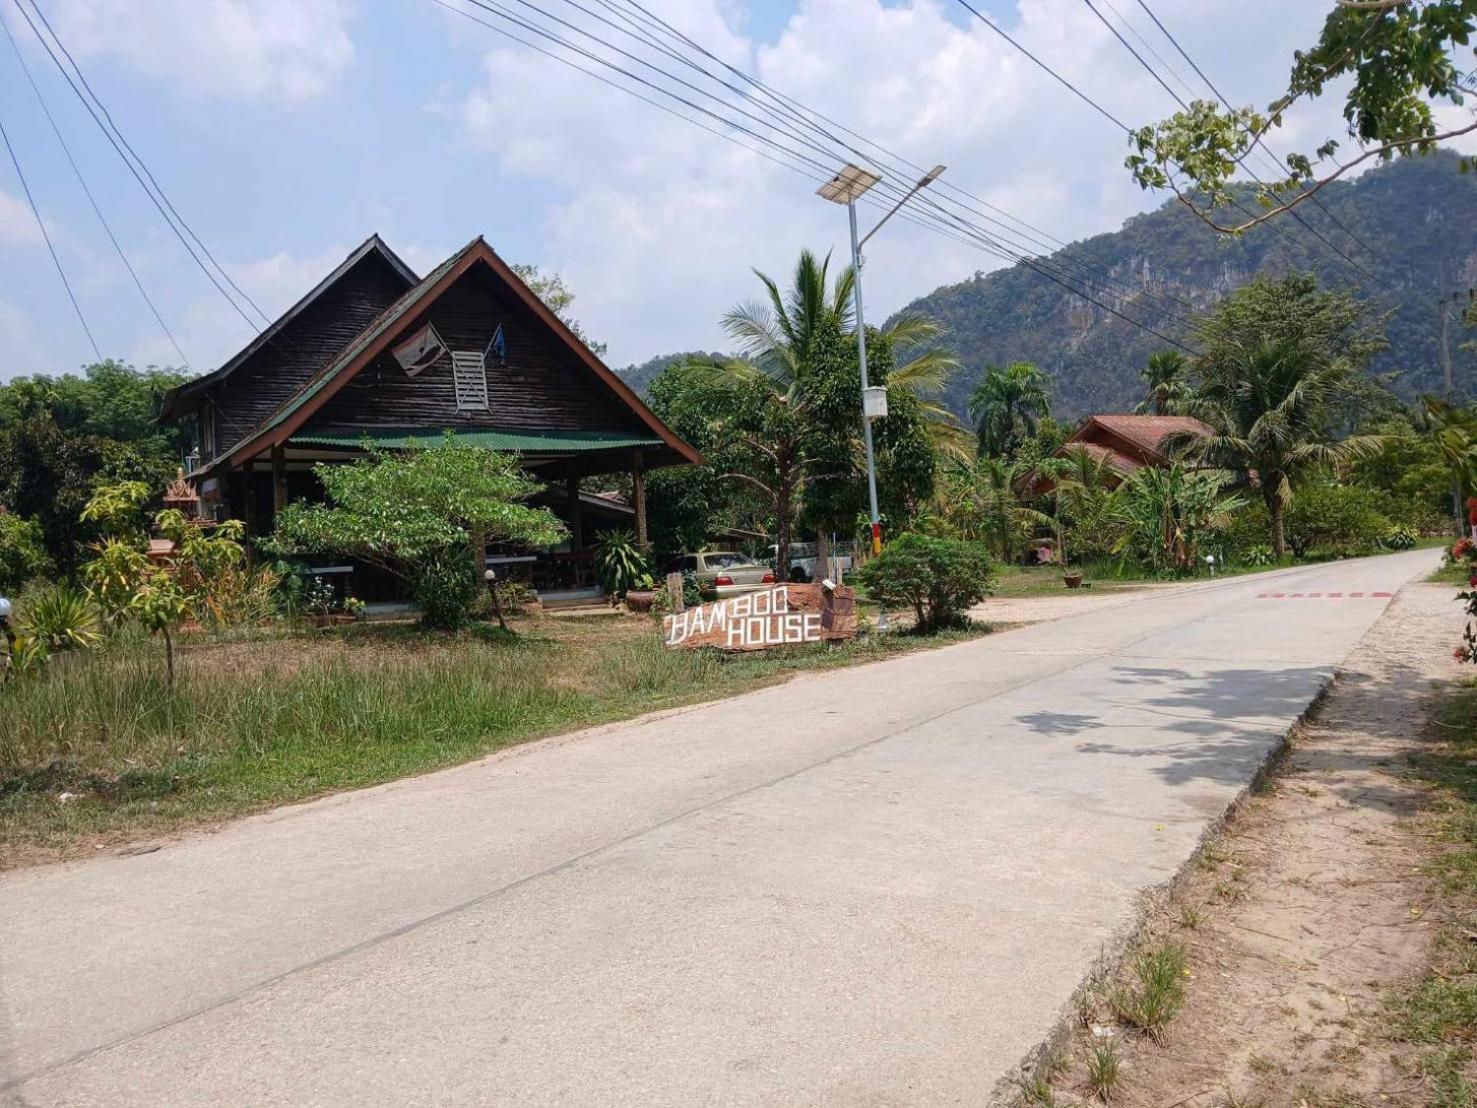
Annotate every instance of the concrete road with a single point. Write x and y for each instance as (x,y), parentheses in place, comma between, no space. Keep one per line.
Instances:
(877,886)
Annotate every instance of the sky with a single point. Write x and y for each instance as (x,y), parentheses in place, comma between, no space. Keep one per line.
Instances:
(286,131)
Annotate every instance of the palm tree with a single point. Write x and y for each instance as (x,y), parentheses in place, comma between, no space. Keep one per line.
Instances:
(1168,390)
(1082,484)
(986,502)
(781,336)
(1267,406)
(1007,405)
(1167,509)
(1454,431)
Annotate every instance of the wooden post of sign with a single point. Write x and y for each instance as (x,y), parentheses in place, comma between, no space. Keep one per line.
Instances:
(279,480)
(674,592)
(638,498)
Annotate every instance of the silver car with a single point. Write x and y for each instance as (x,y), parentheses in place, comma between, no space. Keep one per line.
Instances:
(723,573)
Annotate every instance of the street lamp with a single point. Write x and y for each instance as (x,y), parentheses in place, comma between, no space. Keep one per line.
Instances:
(851,183)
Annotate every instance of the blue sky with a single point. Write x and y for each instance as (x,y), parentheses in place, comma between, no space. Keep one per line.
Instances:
(288,130)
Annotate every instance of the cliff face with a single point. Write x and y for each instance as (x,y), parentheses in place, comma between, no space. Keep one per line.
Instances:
(1417,218)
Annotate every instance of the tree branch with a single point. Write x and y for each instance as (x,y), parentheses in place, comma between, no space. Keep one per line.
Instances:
(758,484)
(1397,144)
(1371,5)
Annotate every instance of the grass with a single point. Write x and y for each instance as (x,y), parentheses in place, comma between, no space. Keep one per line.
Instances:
(1158,992)
(1439,1013)
(98,748)
(1103,1065)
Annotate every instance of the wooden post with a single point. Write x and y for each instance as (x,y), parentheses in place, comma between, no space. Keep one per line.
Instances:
(279,478)
(638,499)
(576,520)
(675,592)
(253,516)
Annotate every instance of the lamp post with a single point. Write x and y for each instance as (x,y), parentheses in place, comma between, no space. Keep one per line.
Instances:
(851,183)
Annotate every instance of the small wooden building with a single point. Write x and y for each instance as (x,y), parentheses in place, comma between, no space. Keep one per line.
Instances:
(376,354)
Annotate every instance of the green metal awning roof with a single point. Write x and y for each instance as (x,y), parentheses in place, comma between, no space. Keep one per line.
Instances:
(518,442)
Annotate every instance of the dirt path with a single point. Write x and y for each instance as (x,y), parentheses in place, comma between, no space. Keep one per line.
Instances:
(1306,911)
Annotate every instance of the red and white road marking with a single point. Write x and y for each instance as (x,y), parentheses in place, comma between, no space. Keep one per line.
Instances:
(1324,595)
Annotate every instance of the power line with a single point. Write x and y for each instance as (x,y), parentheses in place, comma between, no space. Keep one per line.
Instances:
(1297,216)
(1258,140)
(976,237)
(56,130)
(60,272)
(120,144)
(981,207)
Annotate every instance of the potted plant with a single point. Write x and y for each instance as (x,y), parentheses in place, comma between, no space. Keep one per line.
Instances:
(641,594)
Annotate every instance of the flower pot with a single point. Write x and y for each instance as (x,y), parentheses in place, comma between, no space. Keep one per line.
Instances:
(1073,579)
(639,600)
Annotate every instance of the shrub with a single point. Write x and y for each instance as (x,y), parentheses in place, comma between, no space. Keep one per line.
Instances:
(1258,556)
(22,552)
(619,562)
(59,618)
(938,578)
(1399,537)
(444,585)
(1343,518)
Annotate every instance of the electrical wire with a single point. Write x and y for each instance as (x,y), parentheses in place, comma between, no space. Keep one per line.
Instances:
(81,180)
(45,234)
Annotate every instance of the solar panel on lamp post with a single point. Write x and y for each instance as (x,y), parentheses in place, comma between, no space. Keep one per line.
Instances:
(849,185)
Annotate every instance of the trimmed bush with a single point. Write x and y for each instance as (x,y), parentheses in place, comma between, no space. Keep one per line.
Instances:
(937,578)
(444,586)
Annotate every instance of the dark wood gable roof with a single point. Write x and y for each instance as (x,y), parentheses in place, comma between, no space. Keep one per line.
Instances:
(621,409)
(293,347)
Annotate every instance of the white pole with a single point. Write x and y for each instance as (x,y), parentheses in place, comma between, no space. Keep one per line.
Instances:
(861,350)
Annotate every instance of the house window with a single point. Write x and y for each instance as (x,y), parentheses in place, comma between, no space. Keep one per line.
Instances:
(469,372)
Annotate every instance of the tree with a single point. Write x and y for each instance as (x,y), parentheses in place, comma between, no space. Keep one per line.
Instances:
(1007,405)
(1168,510)
(1082,484)
(414,509)
(1165,374)
(1276,356)
(986,502)
(1392,58)
(796,402)
(1453,431)
(557,297)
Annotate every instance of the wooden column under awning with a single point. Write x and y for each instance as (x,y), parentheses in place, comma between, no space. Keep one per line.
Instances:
(279,478)
(576,520)
(638,498)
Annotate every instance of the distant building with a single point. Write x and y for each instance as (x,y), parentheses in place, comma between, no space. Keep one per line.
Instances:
(1131,442)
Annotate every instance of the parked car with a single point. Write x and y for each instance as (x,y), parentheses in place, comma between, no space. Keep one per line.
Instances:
(805,565)
(723,573)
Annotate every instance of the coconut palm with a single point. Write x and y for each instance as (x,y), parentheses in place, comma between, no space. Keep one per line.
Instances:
(781,337)
(1007,405)
(1169,392)
(1267,405)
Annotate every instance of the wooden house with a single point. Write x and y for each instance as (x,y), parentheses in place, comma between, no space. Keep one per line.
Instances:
(1130,442)
(377,355)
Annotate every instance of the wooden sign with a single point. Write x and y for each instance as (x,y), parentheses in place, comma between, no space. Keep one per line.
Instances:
(779,616)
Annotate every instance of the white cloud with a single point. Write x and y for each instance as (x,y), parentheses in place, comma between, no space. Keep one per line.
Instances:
(656,223)
(289,50)
(17,224)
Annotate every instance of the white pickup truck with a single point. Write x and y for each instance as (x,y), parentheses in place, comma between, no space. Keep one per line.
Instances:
(804,565)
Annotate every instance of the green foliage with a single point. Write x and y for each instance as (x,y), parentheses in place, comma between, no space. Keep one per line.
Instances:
(1399,537)
(1276,355)
(1257,556)
(987,503)
(1395,63)
(118,507)
(1168,513)
(22,553)
(1082,488)
(1007,406)
(1158,991)
(393,510)
(619,562)
(59,618)
(1166,374)
(444,583)
(1336,518)
(939,579)
(1414,471)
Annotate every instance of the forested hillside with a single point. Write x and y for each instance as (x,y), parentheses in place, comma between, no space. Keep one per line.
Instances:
(1416,220)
